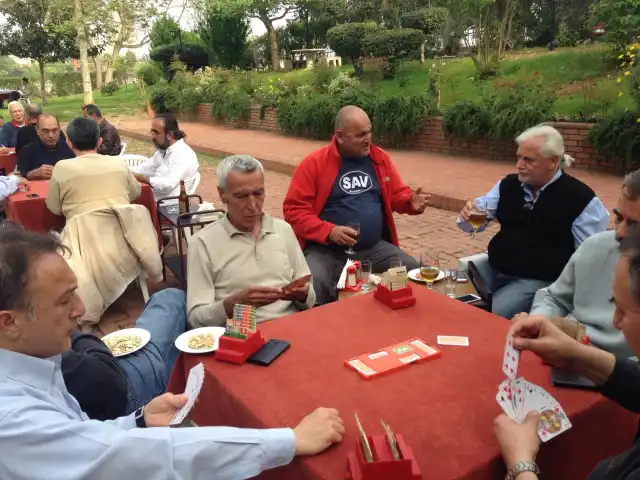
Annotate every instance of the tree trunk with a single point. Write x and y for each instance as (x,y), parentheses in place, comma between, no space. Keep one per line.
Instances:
(422,48)
(99,72)
(115,52)
(83,47)
(43,90)
(273,43)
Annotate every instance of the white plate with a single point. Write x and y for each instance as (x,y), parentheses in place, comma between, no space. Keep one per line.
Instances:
(416,277)
(140,332)
(182,342)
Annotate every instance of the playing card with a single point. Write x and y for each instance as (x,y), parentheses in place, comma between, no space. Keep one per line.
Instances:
(511,359)
(505,398)
(192,390)
(553,422)
(368,455)
(391,440)
(299,282)
(452,340)
(519,396)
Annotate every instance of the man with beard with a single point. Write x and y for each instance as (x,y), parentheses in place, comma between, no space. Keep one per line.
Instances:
(584,289)
(173,162)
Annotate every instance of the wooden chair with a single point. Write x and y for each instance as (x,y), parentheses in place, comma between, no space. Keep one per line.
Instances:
(481,286)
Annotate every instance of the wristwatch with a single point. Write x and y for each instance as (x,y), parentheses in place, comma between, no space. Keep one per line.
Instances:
(139,416)
(522,467)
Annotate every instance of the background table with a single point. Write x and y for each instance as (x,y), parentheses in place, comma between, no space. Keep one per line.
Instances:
(444,407)
(33,214)
(8,163)
(462,288)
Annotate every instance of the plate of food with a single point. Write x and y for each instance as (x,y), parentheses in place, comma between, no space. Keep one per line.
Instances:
(125,342)
(200,340)
(417,277)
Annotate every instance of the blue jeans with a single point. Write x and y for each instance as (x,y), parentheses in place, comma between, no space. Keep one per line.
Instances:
(511,295)
(148,369)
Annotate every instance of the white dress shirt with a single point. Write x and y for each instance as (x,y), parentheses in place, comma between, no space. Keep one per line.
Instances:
(8,186)
(44,434)
(166,168)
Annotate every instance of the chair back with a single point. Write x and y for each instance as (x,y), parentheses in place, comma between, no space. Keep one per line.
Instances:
(194,187)
(480,284)
(123,147)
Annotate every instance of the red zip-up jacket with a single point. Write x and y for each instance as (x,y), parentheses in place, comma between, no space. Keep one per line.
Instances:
(313,180)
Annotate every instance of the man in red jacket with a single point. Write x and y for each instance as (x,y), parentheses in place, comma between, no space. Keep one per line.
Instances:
(348,181)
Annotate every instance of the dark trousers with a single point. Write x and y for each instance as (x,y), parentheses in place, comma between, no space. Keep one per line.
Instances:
(326,265)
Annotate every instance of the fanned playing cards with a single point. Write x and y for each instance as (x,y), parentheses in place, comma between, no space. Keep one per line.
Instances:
(518,397)
(192,390)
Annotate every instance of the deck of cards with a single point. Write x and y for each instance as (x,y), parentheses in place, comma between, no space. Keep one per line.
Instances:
(395,278)
(518,397)
(192,390)
(366,446)
(243,322)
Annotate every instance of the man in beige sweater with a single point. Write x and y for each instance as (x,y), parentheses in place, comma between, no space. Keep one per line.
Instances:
(247,257)
(89,181)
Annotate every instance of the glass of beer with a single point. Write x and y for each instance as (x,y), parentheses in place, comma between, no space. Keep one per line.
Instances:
(478,219)
(429,268)
(356,227)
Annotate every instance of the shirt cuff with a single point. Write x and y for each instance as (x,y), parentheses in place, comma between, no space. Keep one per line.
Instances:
(280,447)
(209,315)
(14,183)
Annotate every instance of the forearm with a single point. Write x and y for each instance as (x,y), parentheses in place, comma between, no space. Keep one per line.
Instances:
(209,315)
(142,178)
(592,363)
(36,175)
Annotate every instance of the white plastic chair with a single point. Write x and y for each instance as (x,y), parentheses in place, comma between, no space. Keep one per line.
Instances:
(194,187)
(133,160)
(123,147)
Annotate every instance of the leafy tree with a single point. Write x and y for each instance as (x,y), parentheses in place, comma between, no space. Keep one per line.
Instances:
(225,37)
(164,31)
(394,45)
(346,41)
(621,19)
(193,55)
(30,31)
(431,21)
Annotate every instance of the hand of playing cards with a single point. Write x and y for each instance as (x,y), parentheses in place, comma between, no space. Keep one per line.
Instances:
(192,390)
(518,397)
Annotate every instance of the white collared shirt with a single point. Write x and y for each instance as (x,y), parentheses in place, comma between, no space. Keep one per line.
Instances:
(166,169)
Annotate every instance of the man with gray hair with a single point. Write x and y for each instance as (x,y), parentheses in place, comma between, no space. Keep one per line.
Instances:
(544,215)
(583,290)
(247,257)
(29,133)
(9,131)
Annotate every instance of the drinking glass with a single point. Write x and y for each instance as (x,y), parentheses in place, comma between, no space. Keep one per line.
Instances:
(395,262)
(452,283)
(366,267)
(429,268)
(353,226)
(478,218)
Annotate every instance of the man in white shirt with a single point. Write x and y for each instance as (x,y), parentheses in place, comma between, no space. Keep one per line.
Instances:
(45,434)
(173,162)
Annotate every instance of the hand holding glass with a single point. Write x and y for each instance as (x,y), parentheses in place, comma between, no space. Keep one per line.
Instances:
(355,226)
(478,219)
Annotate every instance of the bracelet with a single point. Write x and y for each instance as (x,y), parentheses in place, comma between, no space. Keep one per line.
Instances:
(522,467)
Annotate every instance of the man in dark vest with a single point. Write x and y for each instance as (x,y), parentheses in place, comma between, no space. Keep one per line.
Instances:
(544,215)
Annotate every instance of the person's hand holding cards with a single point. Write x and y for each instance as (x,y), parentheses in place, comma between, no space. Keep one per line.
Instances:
(318,431)
(297,291)
(256,296)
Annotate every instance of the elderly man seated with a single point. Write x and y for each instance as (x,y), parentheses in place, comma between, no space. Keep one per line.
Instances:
(583,290)
(45,434)
(9,131)
(109,135)
(345,183)
(245,258)
(173,162)
(36,160)
(544,215)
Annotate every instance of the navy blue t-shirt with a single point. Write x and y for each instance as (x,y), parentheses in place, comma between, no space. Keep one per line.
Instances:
(356,196)
(34,155)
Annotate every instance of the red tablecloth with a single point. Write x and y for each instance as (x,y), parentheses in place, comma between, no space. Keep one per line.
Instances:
(444,407)
(33,214)
(8,162)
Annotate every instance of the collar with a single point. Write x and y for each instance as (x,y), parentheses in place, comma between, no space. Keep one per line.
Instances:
(373,154)
(16,125)
(557,175)
(33,371)
(267,226)
(175,146)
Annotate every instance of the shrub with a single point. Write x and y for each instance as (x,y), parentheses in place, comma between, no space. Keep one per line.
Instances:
(193,55)
(150,73)
(396,119)
(431,22)
(567,37)
(346,40)
(618,137)
(162,97)
(621,19)
(308,115)
(110,88)
(394,45)
(467,121)
(342,82)
(322,76)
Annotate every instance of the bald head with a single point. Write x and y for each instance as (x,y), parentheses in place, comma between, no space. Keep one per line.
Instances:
(353,132)
(49,130)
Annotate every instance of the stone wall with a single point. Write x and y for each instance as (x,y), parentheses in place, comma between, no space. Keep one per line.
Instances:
(431,138)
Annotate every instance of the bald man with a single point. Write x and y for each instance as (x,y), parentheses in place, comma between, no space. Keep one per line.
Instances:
(349,181)
(36,160)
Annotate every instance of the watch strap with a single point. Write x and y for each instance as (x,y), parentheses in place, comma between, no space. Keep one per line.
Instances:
(139,416)
(522,467)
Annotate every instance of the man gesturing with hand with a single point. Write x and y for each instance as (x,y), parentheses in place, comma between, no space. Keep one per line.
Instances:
(349,181)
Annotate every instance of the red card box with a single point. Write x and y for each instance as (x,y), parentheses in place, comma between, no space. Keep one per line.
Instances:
(395,299)
(392,358)
(236,350)
(384,467)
